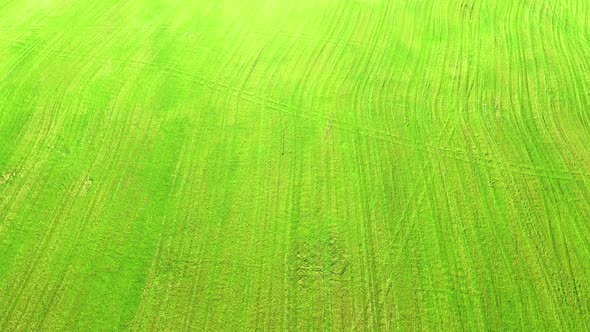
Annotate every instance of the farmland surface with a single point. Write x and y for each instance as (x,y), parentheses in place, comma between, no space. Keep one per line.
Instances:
(294,165)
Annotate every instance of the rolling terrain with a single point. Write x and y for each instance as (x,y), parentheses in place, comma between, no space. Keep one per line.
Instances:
(229,165)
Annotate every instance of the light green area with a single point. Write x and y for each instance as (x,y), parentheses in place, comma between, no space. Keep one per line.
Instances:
(336,165)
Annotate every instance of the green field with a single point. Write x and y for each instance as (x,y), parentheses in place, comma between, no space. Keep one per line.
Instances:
(274,165)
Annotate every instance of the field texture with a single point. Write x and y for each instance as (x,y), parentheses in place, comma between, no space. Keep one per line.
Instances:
(338,165)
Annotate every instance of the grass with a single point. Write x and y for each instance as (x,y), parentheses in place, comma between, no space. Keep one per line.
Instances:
(294,165)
